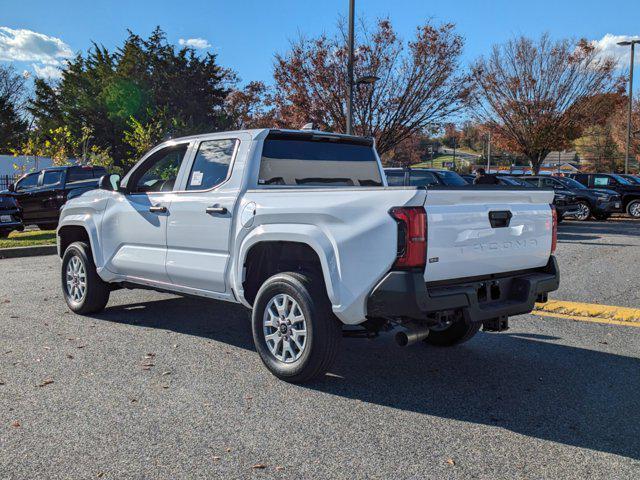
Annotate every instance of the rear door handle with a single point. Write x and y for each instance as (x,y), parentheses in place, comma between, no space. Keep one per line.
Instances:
(158,209)
(216,209)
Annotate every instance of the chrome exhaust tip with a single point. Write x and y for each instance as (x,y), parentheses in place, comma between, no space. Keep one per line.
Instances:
(411,336)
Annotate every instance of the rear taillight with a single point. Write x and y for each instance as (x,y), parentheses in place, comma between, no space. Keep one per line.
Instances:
(554,229)
(412,237)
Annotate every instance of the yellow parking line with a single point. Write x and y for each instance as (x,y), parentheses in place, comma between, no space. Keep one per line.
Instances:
(585,319)
(590,312)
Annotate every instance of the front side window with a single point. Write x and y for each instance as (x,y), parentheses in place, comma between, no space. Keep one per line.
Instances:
(318,161)
(211,165)
(51,178)
(160,171)
(28,182)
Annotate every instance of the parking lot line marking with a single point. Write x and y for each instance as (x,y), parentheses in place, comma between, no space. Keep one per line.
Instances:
(541,313)
(603,313)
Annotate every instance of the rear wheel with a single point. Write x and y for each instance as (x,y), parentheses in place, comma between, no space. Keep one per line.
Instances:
(84,291)
(458,332)
(633,208)
(294,330)
(584,211)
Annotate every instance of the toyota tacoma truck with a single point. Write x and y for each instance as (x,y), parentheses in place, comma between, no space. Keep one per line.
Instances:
(301,228)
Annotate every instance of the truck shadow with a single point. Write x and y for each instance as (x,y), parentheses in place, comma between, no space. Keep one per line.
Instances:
(521,382)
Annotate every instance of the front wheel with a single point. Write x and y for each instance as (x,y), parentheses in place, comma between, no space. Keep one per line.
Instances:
(84,291)
(633,208)
(294,330)
(584,211)
(458,332)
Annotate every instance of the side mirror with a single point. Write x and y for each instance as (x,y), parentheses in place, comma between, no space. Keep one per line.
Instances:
(12,187)
(109,182)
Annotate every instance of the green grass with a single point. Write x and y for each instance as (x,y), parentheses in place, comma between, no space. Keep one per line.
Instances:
(437,162)
(29,239)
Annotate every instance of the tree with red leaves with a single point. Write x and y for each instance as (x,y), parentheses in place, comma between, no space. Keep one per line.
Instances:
(419,86)
(536,95)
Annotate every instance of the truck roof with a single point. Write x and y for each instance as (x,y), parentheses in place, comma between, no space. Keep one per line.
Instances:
(263,132)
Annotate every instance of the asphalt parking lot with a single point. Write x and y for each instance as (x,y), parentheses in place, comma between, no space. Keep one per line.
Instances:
(159,386)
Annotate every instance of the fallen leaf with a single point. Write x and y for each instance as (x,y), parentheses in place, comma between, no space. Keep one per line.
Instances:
(227,450)
(148,364)
(69,355)
(259,466)
(166,373)
(47,348)
(100,475)
(215,459)
(134,400)
(165,386)
(48,381)
(279,468)
(81,346)
(14,316)
(248,397)
(16,424)
(451,461)
(146,368)
(1,382)
(6,301)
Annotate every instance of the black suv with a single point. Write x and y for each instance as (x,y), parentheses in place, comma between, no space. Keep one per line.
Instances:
(10,216)
(600,203)
(41,194)
(629,191)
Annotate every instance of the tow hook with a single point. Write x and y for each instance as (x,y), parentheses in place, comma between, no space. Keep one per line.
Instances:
(498,324)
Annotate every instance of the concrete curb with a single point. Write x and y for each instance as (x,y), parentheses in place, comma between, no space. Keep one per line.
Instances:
(590,310)
(18,252)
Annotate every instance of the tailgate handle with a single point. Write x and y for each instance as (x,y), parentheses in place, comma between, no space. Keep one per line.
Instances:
(500,218)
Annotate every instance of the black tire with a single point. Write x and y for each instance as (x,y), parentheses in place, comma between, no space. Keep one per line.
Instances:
(633,208)
(584,212)
(46,226)
(459,332)
(324,330)
(96,294)
(4,233)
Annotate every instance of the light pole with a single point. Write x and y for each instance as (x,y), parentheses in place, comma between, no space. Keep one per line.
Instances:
(351,82)
(489,152)
(632,44)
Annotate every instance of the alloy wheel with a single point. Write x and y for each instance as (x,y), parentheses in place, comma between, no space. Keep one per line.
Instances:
(285,328)
(76,279)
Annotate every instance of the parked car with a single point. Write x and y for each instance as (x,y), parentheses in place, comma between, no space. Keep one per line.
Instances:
(41,194)
(628,191)
(631,178)
(599,203)
(423,177)
(300,227)
(10,216)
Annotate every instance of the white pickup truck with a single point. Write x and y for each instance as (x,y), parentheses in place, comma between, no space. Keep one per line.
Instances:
(301,227)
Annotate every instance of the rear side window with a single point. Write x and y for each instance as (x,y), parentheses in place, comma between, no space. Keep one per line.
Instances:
(395,179)
(601,181)
(78,174)
(318,162)
(52,178)
(211,166)
(423,179)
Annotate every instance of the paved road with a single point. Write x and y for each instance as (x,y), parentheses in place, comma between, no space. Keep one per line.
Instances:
(165,387)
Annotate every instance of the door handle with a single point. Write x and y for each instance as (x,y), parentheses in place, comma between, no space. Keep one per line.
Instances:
(216,210)
(158,209)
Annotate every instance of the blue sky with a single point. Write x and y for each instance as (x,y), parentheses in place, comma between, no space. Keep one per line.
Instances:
(36,34)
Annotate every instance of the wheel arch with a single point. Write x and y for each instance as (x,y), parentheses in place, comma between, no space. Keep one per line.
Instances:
(306,243)
(75,231)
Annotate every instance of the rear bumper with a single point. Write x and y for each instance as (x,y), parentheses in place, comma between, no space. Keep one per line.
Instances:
(405,294)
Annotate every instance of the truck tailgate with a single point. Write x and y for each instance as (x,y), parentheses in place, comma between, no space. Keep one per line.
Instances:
(480,231)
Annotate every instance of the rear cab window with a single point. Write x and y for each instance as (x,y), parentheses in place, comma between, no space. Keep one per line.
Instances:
(312,160)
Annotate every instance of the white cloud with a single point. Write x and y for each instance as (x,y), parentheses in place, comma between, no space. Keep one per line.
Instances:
(608,47)
(28,46)
(197,43)
(48,72)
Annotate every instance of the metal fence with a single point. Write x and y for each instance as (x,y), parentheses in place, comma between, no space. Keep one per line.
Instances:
(6,180)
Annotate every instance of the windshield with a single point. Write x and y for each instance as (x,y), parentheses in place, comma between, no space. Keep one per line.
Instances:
(452,179)
(571,183)
(632,179)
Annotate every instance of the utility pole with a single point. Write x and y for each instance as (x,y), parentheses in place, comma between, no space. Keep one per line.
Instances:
(350,82)
(631,43)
